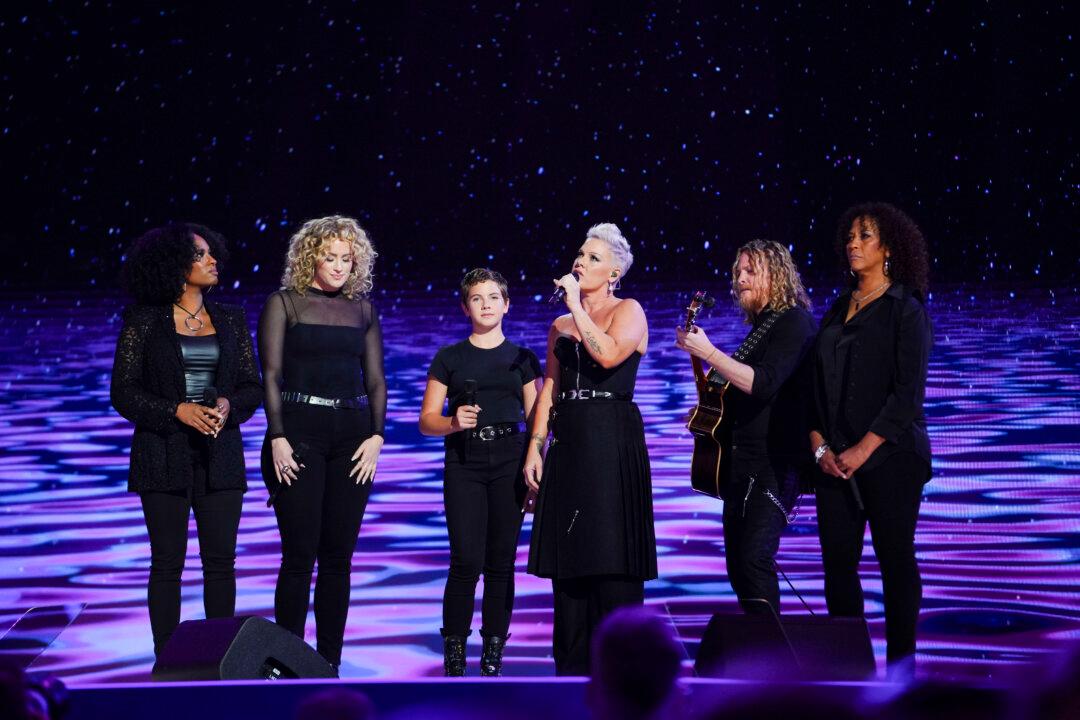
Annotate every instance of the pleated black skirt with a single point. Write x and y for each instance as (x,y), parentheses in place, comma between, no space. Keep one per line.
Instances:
(594,513)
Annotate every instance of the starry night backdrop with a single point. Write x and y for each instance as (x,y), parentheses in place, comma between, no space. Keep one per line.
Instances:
(498,132)
(469,134)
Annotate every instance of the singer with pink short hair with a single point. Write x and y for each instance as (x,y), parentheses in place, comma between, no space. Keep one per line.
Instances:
(593,533)
(491,385)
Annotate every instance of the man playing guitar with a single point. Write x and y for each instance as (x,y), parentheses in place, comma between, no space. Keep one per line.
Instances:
(764,407)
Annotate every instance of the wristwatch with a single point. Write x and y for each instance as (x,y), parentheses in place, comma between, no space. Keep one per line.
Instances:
(820,452)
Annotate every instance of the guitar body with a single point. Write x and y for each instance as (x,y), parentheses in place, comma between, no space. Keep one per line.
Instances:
(710,466)
(711,463)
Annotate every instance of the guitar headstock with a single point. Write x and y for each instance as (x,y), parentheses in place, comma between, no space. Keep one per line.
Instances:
(699,302)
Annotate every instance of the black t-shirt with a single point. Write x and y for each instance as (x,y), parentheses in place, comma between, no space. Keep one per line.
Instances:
(500,373)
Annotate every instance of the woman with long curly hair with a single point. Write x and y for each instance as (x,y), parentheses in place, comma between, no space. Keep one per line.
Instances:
(764,407)
(185,374)
(321,348)
(868,431)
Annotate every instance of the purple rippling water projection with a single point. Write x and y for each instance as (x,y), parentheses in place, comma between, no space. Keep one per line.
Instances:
(997,537)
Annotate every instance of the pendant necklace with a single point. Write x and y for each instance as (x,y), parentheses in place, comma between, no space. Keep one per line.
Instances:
(867,296)
(192,316)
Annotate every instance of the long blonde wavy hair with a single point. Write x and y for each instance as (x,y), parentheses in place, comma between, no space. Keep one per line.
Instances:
(310,241)
(785,285)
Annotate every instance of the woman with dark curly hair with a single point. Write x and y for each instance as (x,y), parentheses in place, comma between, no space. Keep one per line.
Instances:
(320,342)
(868,431)
(185,374)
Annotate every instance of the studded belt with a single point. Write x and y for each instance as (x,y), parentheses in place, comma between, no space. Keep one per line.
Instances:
(353,403)
(587,394)
(492,432)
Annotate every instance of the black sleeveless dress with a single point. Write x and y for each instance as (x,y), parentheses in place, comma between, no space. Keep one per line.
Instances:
(594,513)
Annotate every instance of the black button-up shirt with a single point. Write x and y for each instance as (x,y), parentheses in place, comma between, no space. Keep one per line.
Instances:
(768,423)
(870,375)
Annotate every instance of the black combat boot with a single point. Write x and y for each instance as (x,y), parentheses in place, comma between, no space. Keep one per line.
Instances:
(492,655)
(454,655)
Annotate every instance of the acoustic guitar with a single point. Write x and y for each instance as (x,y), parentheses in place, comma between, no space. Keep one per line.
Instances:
(711,464)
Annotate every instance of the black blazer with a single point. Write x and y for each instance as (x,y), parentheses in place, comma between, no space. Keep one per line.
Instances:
(884,385)
(148,384)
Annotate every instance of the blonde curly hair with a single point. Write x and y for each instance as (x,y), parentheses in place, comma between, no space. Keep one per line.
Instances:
(311,240)
(785,285)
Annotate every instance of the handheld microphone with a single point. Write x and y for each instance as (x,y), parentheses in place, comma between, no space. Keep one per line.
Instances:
(560,292)
(469,396)
(209,399)
(298,456)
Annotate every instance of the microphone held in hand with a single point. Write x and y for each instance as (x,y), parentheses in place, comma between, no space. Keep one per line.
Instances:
(209,399)
(468,397)
(298,456)
(560,293)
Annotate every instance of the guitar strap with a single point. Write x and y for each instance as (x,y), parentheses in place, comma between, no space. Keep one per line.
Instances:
(752,340)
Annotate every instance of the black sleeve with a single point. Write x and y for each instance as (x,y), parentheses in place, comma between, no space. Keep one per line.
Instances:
(248,392)
(272,325)
(440,368)
(789,342)
(128,391)
(815,410)
(374,374)
(912,360)
(530,369)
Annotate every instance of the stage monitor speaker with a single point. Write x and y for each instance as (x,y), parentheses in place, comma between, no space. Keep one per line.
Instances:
(760,647)
(238,648)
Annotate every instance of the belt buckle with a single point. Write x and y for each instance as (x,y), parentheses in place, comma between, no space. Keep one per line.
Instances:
(336,403)
(486,433)
(585,394)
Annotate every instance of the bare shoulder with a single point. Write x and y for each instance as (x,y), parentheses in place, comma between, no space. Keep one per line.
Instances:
(629,308)
(563,325)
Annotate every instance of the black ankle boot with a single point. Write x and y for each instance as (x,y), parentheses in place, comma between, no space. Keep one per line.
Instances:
(454,655)
(492,656)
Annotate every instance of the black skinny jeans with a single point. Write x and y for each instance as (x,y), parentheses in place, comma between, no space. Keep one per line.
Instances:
(217,519)
(891,494)
(483,490)
(319,518)
(752,527)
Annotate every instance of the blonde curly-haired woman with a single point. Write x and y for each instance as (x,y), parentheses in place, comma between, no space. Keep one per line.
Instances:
(321,349)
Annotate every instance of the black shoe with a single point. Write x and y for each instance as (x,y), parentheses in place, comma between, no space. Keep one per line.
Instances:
(453,655)
(492,656)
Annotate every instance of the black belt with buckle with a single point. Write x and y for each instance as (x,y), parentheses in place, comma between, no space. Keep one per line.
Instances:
(587,394)
(353,403)
(492,432)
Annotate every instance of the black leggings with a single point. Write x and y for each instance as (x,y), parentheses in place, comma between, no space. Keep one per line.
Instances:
(483,491)
(319,518)
(217,518)
(581,604)
(891,494)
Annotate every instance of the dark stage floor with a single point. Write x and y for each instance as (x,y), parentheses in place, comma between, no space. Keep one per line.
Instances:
(997,539)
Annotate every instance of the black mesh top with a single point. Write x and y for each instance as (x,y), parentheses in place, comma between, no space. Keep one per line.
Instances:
(321,344)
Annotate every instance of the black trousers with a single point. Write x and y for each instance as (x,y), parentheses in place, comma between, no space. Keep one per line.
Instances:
(483,490)
(581,604)
(319,518)
(217,519)
(752,526)
(891,494)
